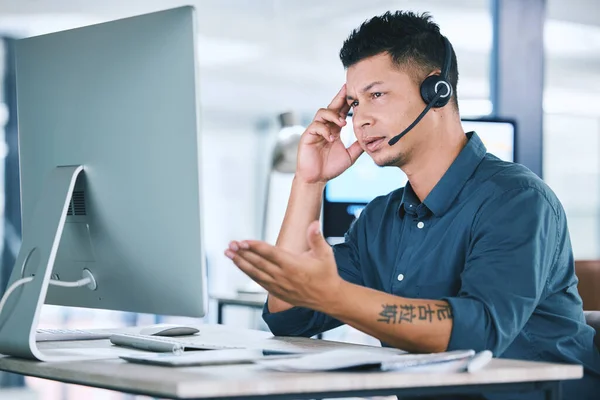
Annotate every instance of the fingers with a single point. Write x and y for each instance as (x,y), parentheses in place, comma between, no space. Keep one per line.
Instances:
(316,241)
(329,121)
(253,273)
(344,110)
(261,263)
(235,246)
(256,274)
(354,151)
(326,115)
(339,100)
(277,256)
(327,124)
(262,255)
(323,130)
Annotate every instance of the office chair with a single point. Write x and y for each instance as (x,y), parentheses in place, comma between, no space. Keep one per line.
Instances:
(592,318)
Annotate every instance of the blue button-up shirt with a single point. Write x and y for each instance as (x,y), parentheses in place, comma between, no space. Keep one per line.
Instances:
(492,240)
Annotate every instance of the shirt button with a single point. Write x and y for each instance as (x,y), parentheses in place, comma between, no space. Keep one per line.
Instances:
(401,277)
(420,225)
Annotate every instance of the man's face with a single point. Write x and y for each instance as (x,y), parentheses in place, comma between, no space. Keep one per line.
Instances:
(385,101)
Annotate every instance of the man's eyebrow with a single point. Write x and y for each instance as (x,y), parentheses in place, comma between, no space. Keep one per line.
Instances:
(366,88)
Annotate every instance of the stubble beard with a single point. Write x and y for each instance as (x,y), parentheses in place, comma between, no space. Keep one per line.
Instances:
(398,159)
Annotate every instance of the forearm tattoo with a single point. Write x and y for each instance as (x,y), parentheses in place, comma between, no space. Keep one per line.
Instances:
(408,313)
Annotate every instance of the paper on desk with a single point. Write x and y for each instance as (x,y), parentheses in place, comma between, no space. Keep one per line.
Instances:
(444,361)
(328,361)
(356,359)
(446,366)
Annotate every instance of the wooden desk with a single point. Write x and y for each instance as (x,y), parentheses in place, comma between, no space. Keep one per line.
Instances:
(250,381)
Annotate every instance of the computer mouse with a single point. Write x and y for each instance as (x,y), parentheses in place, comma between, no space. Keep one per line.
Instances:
(169,330)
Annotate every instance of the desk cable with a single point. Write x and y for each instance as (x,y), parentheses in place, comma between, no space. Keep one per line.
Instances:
(22,281)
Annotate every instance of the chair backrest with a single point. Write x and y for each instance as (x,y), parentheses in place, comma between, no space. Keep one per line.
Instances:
(588,273)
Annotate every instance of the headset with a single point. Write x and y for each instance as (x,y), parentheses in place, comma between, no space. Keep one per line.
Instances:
(436,91)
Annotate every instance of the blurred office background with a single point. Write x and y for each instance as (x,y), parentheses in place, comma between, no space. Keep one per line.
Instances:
(261,58)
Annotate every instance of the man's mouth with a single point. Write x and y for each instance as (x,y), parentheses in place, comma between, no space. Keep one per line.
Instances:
(374,143)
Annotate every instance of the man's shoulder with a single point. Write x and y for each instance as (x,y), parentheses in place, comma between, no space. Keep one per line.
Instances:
(506,174)
(497,178)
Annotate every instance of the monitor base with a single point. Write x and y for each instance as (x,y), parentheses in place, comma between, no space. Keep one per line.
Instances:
(19,317)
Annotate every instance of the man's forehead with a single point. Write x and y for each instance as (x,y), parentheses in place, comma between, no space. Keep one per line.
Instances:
(351,90)
(370,73)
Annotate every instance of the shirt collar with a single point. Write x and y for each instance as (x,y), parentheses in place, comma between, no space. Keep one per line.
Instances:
(447,189)
(409,201)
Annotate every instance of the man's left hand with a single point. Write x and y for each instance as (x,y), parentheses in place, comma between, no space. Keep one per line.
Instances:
(307,280)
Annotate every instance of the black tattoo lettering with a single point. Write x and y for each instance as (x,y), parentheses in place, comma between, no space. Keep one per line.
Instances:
(443,311)
(407,313)
(425,313)
(388,314)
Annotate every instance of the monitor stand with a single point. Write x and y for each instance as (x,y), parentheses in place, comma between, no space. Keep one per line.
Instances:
(19,317)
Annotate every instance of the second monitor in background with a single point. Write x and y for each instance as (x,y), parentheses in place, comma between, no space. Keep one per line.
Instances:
(349,193)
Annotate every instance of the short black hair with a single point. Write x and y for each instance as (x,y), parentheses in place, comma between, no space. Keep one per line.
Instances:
(412,40)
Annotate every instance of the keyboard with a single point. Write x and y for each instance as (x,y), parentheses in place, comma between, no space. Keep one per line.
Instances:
(59,335)
(160,344)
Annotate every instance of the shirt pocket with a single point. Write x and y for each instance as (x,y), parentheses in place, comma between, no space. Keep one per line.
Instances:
(437,290)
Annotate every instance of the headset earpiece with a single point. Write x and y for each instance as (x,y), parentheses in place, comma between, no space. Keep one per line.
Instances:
(431,86)
(436,91)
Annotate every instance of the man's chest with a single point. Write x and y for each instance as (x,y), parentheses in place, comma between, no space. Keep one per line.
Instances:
(418,258)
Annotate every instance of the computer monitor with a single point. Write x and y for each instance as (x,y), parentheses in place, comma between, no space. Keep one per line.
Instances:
(110,173)
(347,195)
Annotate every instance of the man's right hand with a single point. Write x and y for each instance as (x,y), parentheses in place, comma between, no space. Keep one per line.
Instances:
(321,153)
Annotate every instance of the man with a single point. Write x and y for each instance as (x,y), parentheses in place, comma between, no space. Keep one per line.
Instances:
(474,253)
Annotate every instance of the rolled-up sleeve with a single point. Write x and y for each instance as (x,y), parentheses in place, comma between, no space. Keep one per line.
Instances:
(512,253)
(299,321)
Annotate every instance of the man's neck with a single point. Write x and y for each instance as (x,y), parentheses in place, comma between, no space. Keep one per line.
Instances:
(426,170)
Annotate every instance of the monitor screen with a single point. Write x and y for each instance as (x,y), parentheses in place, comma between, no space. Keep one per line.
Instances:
(119,226)
(347,195)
